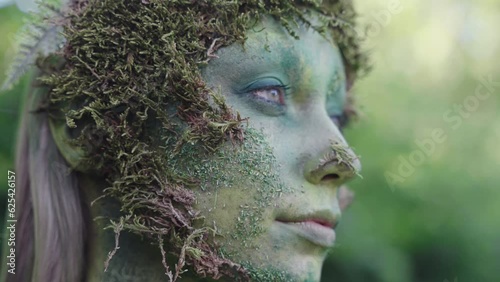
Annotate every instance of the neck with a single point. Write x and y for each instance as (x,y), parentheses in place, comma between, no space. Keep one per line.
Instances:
(135,259)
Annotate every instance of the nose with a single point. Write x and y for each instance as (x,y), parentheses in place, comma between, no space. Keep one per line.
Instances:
(332,162)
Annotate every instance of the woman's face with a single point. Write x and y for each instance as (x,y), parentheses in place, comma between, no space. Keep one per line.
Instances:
(272,202)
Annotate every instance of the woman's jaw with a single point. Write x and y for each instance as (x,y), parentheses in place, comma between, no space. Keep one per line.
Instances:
(272,203)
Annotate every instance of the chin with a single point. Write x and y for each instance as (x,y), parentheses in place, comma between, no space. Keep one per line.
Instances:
(297,268)
(305,268)
(282,257)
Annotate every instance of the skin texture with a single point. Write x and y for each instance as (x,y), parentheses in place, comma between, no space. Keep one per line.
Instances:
(281,173)
(299,133)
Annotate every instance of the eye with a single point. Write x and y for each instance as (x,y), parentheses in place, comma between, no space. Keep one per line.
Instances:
(272,94)
(341,121)
(267,95)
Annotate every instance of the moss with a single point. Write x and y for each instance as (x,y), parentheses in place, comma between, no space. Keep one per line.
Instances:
(268,274)
(340,153)
(252,159)
(132,67)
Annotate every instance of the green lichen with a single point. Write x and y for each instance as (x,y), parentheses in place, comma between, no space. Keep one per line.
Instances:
(341,154)
(267,274)
(131,79)
(226,168)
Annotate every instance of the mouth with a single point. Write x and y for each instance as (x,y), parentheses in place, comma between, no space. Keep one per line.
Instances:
(316,228)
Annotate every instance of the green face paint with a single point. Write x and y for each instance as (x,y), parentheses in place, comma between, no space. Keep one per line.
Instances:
(288,89)
(178,157)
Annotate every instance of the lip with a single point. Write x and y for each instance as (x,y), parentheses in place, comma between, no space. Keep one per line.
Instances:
(317,228)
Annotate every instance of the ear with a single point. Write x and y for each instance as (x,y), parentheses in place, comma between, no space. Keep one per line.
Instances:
(72,153)
(60,132)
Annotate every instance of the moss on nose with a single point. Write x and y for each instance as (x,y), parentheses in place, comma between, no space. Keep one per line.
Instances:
(127,64)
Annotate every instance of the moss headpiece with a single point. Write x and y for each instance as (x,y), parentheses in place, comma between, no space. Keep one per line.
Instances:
(128,68)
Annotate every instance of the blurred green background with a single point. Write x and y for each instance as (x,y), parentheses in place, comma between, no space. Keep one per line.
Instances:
(437,219)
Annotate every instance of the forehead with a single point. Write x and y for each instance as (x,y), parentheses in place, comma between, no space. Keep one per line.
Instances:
(270,46)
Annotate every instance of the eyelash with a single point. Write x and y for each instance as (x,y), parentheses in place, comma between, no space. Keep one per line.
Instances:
(282,93)
(341,121)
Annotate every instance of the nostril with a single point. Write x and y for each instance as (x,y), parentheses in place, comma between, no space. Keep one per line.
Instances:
(331,176)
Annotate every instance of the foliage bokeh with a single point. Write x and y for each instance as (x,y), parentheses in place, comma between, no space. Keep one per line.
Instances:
(441,222)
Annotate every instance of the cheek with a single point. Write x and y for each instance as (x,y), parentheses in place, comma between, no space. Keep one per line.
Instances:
(239,188)
(238,220)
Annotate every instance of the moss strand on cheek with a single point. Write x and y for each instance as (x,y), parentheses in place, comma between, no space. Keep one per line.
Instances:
(132,66)
(251,166)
